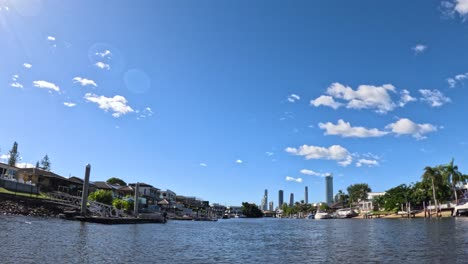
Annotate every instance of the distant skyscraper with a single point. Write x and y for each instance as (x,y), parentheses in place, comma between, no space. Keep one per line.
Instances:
(265,196)
(280,198)
(270,205)
(306,195)
(329,189)
(291,199)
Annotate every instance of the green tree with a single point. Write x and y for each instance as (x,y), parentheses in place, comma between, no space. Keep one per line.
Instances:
(341,198)
(14,155)
(452,174)
(358,192)
(396,196)
(37,165)
(102,196)
(434,175)
(251,210)
(118,181)
(45,163)
(324,207)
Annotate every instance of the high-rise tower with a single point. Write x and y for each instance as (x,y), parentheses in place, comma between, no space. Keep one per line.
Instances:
(329,189)
(306,195)
(280,198)
(291,199)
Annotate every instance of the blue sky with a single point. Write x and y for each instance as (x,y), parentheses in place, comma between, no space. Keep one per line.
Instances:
(223,99)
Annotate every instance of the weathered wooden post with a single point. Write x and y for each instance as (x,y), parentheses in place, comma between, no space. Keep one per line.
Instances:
(135,203)
(84,195)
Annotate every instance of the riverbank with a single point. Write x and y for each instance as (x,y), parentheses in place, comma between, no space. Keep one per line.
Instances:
(20,205)
(445,214)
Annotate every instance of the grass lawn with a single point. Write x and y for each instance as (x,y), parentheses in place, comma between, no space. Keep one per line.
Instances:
(40,196)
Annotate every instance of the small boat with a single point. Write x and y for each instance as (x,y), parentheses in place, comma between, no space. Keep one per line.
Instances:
(310,216)
(322,215)
(462,207)
(225,216)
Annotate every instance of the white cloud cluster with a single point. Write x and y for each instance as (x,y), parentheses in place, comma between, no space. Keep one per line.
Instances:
(51,38)
(69,104)
(405,98)
(293,98)
(147,112)
(269,154)
(373,97)
(345,129)
(453,81)
(434,98)
(104,53)
(335,152)
(15,82)
(84,81)
(102,65)
(239,161)
(203,165)
(288,178)
(367,162)
(27,65)
(419,48)
(46,85)
(313,173)
(117,104)
(404,126)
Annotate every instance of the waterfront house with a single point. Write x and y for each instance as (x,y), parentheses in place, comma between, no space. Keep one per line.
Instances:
(169,196)
(368,204)
(8,172)
(151,193)
(102,185)
(125,191)
(48,181)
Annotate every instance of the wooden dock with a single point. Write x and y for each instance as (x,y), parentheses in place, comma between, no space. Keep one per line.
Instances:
(119,220)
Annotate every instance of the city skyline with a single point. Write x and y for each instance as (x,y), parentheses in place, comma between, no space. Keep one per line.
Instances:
(223,100)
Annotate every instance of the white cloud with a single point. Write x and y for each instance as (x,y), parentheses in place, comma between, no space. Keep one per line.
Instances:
(293,98)
(46,85)
(453,81)
(335,152)
(269,154)
(313,173)
(299,180)
(325,100)
(24,165)
(102,65)
(51,38)
(419,48)
(405,98)
(27,65)
(461,7)
(434,98)
(203,165)
(367,162)
(4,157)
(147,112)
(117,104)
(16,85)
(239,161)
(404,126)
(364,97)
(69,104)
(84,81)
(344,129)
(104,53)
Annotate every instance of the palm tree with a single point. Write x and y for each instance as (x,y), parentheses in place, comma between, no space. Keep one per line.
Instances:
(452,174)
(434,175)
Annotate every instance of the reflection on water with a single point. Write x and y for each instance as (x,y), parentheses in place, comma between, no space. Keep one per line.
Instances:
(36,240)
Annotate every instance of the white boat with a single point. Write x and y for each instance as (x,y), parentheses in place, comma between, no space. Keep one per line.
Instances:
(345,213)
(462,207)
(322,215)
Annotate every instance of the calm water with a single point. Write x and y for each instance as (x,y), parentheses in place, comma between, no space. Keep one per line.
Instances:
(36,240)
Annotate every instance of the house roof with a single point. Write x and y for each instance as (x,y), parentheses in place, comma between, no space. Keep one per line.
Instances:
(142,184)
(105,186)
(126,189)
(35,171)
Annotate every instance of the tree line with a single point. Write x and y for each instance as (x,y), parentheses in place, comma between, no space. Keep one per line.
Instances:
(14,158)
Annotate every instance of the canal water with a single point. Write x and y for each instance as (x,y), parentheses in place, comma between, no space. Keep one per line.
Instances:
(37,240)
